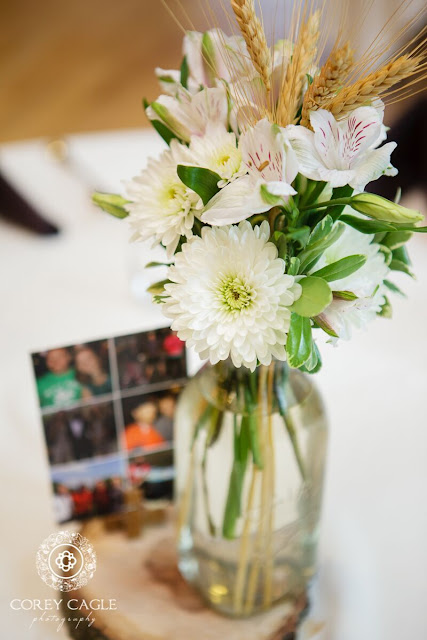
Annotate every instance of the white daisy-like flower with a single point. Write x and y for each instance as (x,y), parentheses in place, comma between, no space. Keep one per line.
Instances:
(217,150)
(345,151)
(230,296)
(162,208)
(271,165)
(366,283)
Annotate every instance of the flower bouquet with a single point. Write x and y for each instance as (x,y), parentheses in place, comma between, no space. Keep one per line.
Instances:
(271,242)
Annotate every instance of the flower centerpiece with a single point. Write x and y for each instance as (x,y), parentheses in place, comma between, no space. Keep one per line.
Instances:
(270,243)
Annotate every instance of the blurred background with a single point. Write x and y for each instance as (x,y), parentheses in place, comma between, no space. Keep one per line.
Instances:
(83,66)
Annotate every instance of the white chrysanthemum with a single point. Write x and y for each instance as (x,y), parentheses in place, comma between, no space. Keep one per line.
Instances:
(366,283)
(230,297)
(217,150)
(162,207)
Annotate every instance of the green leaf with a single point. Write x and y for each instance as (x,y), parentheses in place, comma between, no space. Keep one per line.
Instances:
(163,131)
(379,237)
(253,431)
(366,226)
(244,441)
(320,231)
(318,188)
(279,239)
(214,426)
(377,226)
(401,254)
(300,234)
(234,498)
(289,425)
(395,239)
(311,192)
(341,268)
(293,267)
(338,193)
(344,295)
(315,297)
(270,198)
(314,250)
(398,265)
(184,72)
(386,253)
(149,265)
(203,181)
(314,362)
(394,288)
(157,288)
(386,309)
(201,422)
(208,57)
(299,341)
(111,203)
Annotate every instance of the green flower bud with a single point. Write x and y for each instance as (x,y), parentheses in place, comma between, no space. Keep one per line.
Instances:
(382,209)
(111,203)
(158,111)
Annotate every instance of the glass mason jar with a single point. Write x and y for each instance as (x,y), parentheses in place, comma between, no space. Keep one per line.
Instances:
(250,457)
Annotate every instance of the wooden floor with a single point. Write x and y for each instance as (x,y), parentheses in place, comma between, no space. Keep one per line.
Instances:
(79,65)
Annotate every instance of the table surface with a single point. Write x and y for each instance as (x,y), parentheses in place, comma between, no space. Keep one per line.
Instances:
(75,287)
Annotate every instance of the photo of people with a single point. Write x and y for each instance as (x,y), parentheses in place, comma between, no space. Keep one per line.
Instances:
(68,375)
(104,400)
(153,473)
(151,357)
(80,433)
(88,489)
(149,420)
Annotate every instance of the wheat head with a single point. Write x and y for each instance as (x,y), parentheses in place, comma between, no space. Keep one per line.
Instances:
(303,56)
(329,80)
(254,36)
(373,85)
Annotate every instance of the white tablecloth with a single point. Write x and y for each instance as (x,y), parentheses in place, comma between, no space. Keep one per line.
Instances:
(74,287)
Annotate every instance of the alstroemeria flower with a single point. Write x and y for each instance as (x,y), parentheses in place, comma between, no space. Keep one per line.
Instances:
(272,166)
(210,56)
(342,152)
(189,114)
(214,55)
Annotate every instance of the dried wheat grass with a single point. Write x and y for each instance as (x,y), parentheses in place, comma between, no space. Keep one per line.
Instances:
(302,59)
(329,80)
(379,82)
(254,36)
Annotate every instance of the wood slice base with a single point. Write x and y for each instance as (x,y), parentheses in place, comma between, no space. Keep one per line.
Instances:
(153,600)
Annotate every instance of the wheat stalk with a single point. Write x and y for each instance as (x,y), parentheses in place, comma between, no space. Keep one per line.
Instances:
(254,36)
(329,80)
(373,85)
(302,58)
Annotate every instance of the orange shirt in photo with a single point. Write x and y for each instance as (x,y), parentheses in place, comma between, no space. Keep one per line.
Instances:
(141,436)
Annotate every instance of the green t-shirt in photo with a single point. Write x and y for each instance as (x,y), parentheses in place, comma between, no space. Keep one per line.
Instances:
(59,389)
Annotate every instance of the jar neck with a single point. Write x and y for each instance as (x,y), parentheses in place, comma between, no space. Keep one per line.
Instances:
(235,388)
